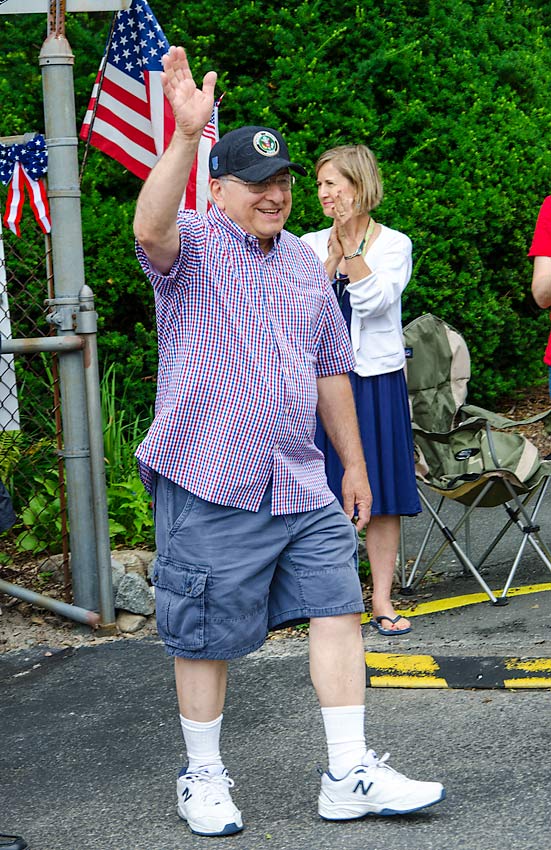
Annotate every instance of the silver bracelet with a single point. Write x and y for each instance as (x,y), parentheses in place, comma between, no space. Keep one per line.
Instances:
(355,254)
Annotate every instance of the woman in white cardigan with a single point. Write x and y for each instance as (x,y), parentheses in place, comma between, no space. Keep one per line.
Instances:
(369,266)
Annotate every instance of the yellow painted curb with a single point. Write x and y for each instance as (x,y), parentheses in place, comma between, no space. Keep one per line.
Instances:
(391,670)
(452,602)
(406,682)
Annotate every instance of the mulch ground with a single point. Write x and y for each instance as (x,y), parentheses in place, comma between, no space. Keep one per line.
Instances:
(527,404)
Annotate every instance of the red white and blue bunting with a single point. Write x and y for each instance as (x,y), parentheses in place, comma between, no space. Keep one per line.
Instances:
(23,166)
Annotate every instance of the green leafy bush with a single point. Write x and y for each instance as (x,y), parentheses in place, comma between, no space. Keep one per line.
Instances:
(453,97)
(40,520)
(129,505)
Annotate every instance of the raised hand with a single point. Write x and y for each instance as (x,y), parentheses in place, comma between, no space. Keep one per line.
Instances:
(334,248)
(192,107)
(344,211)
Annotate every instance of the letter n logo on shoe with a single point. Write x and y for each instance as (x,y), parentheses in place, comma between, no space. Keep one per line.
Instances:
(186,794)
(361,787)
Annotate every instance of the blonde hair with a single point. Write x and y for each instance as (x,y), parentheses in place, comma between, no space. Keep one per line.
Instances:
(358,164)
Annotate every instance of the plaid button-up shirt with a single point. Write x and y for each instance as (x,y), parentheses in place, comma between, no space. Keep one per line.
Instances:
(242,338)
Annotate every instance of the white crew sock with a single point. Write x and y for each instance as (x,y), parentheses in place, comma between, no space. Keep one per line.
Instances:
(203,744)
(344,731)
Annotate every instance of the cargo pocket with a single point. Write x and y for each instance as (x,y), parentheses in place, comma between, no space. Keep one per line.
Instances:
(180,591)
(329,589)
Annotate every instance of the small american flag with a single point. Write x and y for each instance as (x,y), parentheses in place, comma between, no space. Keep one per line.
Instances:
(131,119)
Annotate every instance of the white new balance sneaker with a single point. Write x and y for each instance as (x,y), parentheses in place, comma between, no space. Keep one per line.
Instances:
(204,802)
(374,788)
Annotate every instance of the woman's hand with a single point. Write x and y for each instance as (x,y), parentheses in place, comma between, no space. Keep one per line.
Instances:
(344,211)
(344,224)
(335,254)
(334,247)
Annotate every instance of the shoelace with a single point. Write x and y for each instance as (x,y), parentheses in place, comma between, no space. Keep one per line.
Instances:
(213,788)
(371,759)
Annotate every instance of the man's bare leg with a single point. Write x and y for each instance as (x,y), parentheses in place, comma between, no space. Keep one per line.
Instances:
(337,663)
(201,687)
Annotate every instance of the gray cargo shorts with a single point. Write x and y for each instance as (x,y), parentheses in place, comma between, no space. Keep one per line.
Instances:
(224,576)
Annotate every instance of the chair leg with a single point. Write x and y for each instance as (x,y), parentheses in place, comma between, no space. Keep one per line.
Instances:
(468,549)
(448,534)
(408,583)
(402,552)
(518,515)
(531,536)
(452,541)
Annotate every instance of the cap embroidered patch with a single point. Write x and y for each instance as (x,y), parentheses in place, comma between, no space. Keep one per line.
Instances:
(266,143)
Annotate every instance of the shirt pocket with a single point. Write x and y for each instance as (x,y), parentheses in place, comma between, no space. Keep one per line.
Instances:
(181,596)
(382,339)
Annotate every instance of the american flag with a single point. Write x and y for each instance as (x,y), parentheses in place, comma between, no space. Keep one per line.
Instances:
(133,122)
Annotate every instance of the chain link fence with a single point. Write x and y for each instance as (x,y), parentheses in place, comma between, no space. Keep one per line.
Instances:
(31,465)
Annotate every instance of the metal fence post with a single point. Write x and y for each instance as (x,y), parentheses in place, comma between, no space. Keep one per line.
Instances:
(87,328)
(56,61)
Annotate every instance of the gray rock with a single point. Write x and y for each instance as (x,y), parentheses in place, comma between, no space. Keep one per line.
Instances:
(151,566)
(134,560)
(130,623)
(117,573)
(134,595)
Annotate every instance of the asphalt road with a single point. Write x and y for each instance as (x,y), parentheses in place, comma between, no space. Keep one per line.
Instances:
(91,746)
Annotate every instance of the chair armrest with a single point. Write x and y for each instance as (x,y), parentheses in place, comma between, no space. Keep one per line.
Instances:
(496,420)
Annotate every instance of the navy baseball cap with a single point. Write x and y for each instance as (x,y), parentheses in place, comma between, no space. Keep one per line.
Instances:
(252,154)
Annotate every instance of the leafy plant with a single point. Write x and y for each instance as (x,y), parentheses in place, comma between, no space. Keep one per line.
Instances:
(130,516)
(129,507)
(10,454)
(364,567)
(40,519)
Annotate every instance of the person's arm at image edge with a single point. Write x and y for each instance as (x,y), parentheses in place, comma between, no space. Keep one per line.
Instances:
(541,281)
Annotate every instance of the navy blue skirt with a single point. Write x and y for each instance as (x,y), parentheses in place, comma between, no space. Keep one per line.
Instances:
(385,428)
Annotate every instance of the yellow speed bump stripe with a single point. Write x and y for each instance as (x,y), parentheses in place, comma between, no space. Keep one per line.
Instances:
(448,604)
(386,670)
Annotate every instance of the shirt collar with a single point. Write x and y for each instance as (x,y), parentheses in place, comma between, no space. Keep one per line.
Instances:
(217,216)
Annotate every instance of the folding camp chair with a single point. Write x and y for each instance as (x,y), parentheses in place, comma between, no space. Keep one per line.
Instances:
(467,454)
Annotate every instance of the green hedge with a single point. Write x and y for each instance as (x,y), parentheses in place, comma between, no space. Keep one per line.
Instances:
(452,95)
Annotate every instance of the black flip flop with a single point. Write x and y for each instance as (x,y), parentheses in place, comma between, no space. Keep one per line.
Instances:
(376,624)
